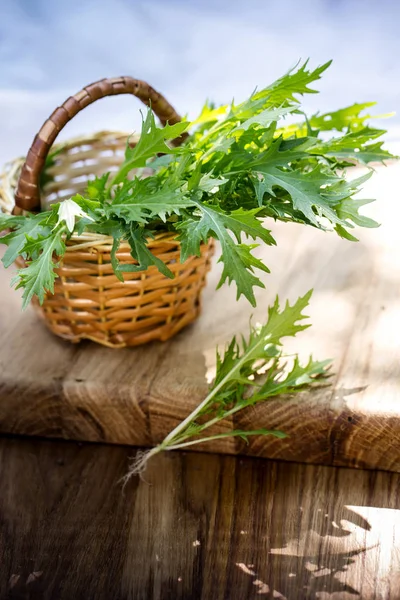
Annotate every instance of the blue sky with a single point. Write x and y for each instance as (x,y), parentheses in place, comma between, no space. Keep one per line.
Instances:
(189,51)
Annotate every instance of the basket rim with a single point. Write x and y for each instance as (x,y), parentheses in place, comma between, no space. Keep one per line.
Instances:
(11,169)
(89,239)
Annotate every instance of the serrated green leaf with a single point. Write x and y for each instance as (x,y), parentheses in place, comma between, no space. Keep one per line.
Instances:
(245,222)
(344,234)
(32,226)
(238,263)
(139,200)
(294,380)
(237,361)
(285,322)
(209,114)
(314,193)
(96,188)
(151,142)
(38,277)
(142,254)
(348,210)
(355,146)
(304,190)
(116,233)
(347,118)
(263,119)
(294,82)
(237,259)
(208,183)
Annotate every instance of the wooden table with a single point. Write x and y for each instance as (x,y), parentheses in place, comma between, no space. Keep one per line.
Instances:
(210,527)
(51,388)
(201,527)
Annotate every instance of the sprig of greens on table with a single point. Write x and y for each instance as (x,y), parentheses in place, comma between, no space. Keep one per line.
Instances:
(240,165)
(250,371)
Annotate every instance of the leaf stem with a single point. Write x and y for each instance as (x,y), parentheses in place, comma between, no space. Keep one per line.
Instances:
(217,436)
(228,413)
(214,421)
(190,418)
(192,442)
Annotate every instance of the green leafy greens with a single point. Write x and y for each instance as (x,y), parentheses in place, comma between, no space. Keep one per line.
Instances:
(249,371)
(239,165)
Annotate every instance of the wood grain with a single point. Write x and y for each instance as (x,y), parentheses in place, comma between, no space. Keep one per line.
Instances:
(136,396)
(203,527)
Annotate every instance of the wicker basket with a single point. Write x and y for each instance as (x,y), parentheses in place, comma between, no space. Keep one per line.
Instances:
(89,302)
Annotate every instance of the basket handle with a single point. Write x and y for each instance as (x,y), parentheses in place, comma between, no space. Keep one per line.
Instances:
(27,196)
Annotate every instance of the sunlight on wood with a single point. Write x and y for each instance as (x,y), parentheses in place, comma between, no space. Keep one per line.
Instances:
(367,552)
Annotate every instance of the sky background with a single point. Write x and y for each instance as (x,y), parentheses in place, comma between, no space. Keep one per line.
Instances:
(188,50)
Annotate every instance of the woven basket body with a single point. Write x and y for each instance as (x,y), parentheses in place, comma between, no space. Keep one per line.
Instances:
(89,302)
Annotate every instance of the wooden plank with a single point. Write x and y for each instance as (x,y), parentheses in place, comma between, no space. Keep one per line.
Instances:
(201,526)
(136,396)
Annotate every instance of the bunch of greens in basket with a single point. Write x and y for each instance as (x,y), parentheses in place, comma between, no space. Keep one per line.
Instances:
(241,165)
